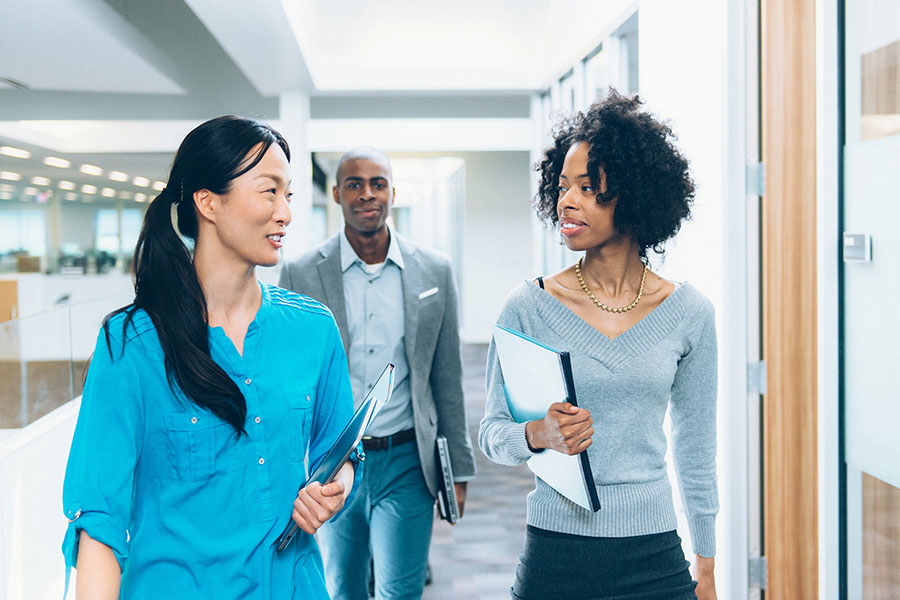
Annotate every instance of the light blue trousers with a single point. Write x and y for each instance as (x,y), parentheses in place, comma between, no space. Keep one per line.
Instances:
(392,514)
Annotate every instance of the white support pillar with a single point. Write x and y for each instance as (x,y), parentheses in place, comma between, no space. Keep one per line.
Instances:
(294,126)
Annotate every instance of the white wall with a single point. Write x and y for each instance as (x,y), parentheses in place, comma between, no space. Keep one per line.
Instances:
(32,466)
(687,75)
(497,243)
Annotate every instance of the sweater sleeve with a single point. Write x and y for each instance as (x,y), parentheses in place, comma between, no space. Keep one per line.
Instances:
(693,415)
(500,438)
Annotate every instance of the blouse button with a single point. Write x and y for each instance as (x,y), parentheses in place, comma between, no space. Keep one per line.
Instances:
(193,419)
(262,461)
(257,419)
(248,381)
(307,397)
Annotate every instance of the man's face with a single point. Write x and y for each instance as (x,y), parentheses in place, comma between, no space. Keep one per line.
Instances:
(365,194)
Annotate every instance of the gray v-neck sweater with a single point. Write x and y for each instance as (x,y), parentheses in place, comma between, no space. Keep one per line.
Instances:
(665,361)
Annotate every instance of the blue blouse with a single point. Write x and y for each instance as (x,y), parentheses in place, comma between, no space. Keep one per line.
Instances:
(189,509)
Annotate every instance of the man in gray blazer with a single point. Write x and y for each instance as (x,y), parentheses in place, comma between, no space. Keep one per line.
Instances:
(393,302)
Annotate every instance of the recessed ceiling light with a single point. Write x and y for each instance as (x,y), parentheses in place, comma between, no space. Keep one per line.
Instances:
(10,176)
(5,187)
(125,195)
(71,196)
(91,170)
(31,191)
(159,185)
(66,185)
(118,176)
(61,163)
(40,180)
(14,152)
(89,189)
(141,181)
(108,193)
(6,196)
(139,197)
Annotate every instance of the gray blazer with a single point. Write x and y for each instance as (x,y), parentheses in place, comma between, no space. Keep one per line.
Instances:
(432,342)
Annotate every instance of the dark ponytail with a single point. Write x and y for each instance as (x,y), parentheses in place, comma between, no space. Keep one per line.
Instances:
(165,282)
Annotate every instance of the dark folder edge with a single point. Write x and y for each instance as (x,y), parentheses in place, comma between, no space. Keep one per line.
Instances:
(587,475)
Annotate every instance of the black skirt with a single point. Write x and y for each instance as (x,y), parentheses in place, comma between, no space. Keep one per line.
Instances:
(572,567)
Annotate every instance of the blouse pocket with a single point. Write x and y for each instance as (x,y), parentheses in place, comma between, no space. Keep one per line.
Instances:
(300,407)
(197,446)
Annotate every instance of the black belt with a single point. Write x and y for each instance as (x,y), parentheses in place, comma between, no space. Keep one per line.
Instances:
(383,443)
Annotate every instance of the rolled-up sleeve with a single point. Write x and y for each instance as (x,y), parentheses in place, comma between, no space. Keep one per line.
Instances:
(99,482)
(334,408)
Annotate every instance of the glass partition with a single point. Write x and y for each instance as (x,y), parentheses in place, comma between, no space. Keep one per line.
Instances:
(43,358)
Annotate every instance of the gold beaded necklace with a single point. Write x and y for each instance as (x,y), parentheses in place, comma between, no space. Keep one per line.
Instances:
(600,304)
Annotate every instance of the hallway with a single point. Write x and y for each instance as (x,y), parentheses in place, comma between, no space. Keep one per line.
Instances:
(476,558)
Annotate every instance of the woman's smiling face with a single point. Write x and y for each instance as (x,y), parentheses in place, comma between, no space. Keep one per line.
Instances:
(584,222)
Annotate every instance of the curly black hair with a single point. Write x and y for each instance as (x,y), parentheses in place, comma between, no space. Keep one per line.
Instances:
(644,169)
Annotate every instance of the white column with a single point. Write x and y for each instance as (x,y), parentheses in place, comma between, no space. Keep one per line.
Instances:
(294,126)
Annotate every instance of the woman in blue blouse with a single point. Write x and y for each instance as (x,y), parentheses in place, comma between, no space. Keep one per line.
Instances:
(207,395)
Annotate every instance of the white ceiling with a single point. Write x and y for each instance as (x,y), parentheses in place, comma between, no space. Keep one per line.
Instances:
(121,46)
(383,45)
(132,76)
(81,46)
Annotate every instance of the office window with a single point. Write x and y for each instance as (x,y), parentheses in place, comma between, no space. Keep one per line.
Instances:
(23,230)
(107,228)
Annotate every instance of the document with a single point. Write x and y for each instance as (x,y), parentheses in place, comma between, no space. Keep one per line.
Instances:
(327,468)
(535,376)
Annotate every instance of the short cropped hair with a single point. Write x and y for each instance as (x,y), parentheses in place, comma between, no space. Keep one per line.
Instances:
(643,168)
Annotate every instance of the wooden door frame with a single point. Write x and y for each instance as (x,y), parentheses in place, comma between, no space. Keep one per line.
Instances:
(789,287)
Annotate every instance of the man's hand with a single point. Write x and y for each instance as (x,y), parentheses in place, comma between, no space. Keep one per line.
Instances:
(706,580)
(460,488)
(565,428)
(317,503)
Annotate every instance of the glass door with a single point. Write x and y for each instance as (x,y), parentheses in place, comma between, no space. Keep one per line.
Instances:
(871,287)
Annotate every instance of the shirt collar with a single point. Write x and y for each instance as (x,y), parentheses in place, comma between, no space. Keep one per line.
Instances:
(349,256)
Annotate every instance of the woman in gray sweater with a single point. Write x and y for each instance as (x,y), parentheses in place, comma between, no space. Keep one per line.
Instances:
(617,187)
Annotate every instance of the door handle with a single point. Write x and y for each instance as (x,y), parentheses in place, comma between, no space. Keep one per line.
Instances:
(857,247)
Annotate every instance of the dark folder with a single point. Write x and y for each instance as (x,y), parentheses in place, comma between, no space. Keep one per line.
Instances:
(448,507)
(327,468)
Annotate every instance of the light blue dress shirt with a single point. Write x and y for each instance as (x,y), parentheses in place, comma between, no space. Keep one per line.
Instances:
(373,295)
(190,509)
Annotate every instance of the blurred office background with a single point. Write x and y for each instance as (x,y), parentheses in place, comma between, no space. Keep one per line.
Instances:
(789,112)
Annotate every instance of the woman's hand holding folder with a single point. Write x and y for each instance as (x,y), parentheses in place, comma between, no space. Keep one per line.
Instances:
(317,503)
(565,428)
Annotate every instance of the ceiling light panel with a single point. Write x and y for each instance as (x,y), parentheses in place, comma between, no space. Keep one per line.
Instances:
(141,181)
(10,176)
(91,170)
(40,180)
(14,152)
(139,197)
(108,193)
(30,191)
(159,186)
(60,163)
(118,176)
(66,185)
(89,189)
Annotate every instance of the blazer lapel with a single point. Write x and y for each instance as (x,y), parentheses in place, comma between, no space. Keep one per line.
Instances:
(332,280)
(411,285)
